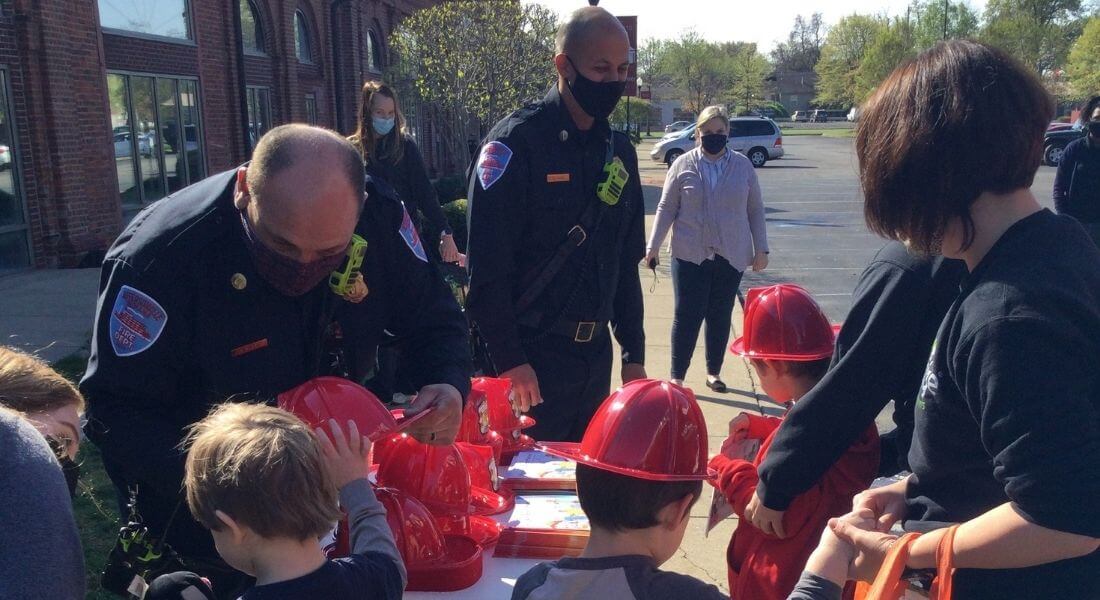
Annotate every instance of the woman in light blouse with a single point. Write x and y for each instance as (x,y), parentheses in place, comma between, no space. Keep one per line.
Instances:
(711,202)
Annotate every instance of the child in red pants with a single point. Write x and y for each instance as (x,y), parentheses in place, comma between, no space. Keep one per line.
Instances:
(789,342)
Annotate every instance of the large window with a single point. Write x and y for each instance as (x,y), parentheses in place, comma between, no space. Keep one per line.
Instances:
(311,109)
(303,47)
(374,52)
(251,28)
(161,18)
(14,239)
(157,137)
(259,113)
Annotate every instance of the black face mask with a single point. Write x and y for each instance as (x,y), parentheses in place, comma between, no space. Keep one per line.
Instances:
(69,468)
(596,99)
(1094,128)
(714,142)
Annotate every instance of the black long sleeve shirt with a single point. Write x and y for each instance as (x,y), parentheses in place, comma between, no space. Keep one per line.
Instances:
(534,179)
(897,307)
(409,178)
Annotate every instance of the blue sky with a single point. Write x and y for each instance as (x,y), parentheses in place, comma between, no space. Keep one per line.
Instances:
(765,23)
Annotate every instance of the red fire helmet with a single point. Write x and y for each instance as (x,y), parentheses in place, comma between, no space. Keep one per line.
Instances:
(484,472)
(647,429)
(435,562)
(783,322)
(323,398)
(438,477)
(493,400)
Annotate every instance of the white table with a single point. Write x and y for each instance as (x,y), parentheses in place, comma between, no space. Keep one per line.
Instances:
(497,580)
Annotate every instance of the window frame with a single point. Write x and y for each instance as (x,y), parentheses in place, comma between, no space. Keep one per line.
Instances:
(253,92)
(188,19)
(139,182)
(301,23)
(311,115)
(261,36)
(16,167)
(374,47)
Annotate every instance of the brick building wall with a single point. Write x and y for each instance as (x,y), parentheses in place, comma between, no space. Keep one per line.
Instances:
(57,58)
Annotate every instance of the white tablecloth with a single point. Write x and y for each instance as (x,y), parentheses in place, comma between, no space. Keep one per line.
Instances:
(497,580)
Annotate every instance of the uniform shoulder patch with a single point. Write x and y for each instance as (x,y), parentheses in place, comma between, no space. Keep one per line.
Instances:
(136,322)
(412,239)
(492,162)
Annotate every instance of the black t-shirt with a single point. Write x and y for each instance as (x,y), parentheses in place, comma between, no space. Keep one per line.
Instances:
(1009,408)
(368,576)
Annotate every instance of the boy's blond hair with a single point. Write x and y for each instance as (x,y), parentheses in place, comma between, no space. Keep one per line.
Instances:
(261,466)
(28,385)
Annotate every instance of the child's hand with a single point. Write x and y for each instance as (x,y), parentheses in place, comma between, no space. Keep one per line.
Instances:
(346,458)
(857,531)
(739,432)
(833,557)
(763,518)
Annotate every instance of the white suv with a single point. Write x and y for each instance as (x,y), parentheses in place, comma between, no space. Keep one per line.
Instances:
(757,138)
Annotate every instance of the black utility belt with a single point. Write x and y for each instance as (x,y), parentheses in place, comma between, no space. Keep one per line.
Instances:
(581,332)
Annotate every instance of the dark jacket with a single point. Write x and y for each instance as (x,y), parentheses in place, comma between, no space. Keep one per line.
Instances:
(185,322)
(534,179)
(1077,183)
(409,178)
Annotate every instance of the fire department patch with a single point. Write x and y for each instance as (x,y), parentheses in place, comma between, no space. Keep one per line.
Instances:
(408,233)
(136,322)
(492,162)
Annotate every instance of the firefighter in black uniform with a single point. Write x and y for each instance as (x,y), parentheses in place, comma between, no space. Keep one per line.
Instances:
(220,291)
(556,234)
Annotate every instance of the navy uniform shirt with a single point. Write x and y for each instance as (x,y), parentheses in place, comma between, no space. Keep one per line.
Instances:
(1009,408)
(184,322)
(533,180)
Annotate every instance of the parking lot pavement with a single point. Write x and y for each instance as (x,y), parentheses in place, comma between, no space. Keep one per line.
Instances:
(816,230)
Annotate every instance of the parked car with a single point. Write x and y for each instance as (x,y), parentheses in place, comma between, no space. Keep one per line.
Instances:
(1055,142)
(677,126)
(5,157)
(756,137)
(801,116)
(822,115)
(853,115)
(124,148)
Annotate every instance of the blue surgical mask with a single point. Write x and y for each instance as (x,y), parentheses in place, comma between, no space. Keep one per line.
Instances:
(382,126)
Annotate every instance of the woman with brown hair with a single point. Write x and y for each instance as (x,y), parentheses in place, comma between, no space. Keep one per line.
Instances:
(1007,420)
(40,414)
(391,154)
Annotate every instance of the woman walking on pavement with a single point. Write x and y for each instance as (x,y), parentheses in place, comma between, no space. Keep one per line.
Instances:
(711,202)
(1077,184)
(391,154)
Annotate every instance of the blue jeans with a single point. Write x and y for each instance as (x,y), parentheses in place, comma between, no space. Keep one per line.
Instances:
(707,292)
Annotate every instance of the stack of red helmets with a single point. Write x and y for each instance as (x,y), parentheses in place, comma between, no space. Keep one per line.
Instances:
(441,553)
(438,476)
(489,409)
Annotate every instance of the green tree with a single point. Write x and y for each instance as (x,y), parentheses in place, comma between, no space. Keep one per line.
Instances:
(927,18)
(1083,68)
(700,68)
(802,49)
(748,70)
(474,58)
(891,46)
(652,62)
(1037,32)
(841,55)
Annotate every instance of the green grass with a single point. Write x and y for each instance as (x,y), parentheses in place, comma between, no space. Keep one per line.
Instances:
(95,505)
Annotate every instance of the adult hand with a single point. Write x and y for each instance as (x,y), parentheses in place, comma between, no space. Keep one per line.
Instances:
(870,547)
(832,559)
(739,432)
(760,261)
(632,371)
(525,387)
(345,457)
(763,518)
(447,249)
(651,258)
(440,427)
(887,504)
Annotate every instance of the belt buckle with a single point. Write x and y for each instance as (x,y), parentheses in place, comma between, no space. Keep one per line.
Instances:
(586,330)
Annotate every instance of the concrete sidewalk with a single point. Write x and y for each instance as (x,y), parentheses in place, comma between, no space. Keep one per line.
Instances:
(48,313)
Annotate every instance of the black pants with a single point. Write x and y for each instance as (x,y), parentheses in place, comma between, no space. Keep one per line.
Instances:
(574,379)
(703,292)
